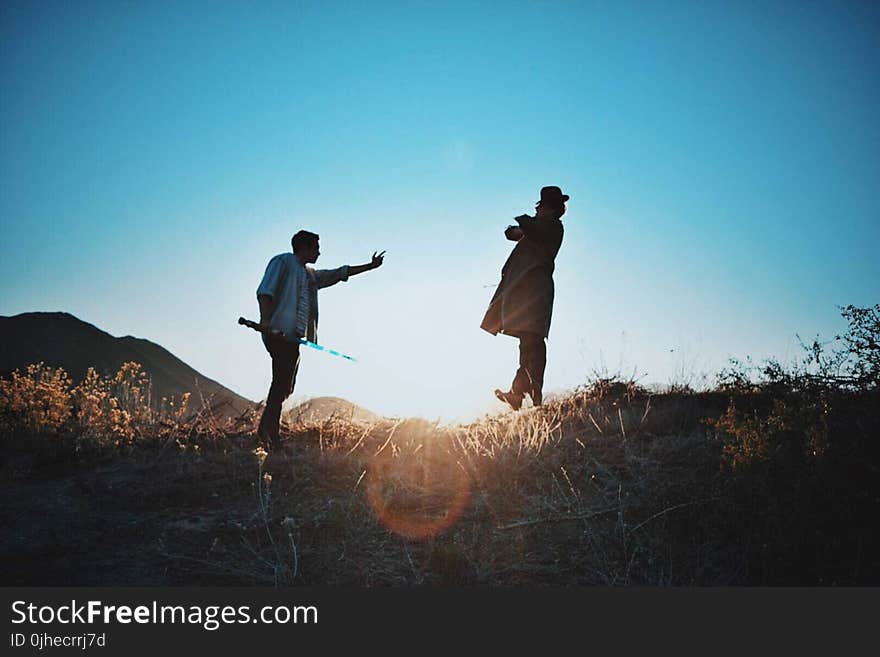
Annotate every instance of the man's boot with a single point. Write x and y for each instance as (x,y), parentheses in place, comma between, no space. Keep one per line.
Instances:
(514,399)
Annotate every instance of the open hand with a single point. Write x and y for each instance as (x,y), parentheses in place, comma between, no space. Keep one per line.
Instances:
(377,260)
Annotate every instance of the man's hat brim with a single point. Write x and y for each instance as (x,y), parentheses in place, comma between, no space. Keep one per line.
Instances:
(553,194)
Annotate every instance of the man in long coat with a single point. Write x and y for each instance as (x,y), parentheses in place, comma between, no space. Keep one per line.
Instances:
(523,302)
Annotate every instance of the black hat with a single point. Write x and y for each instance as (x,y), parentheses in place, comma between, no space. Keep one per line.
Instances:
(553,196)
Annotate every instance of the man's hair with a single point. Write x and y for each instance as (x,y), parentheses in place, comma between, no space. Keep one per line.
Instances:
(303,238)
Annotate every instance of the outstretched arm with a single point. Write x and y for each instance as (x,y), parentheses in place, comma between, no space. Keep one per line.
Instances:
(376,262)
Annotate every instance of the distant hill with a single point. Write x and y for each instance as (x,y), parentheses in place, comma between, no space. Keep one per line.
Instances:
(322,408)
(62,340)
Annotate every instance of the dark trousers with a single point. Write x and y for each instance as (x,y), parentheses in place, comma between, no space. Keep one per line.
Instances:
(529,377)
(285,363)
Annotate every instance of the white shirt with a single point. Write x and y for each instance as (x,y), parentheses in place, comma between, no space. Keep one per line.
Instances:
(294,292)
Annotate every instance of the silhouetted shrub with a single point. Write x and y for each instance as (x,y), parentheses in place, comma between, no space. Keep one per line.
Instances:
(101,410)
(801,447)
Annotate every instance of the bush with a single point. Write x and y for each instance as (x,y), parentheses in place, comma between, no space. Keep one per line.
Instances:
(102,410)
(791,417)
(37,400)
(802,450)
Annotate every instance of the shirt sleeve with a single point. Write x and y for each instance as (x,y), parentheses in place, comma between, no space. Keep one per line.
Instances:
(542,231)
(328,277)
(275,271)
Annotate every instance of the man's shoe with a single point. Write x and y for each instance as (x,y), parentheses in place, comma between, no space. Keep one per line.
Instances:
(514,399)
(537,397)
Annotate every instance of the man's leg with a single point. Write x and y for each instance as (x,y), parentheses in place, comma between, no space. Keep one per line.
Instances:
(537,366)
(285,363)
(529,377)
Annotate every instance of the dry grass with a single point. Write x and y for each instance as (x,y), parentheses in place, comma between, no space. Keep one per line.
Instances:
(608,485)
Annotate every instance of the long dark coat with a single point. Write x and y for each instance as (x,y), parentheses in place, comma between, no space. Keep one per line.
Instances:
(523,301)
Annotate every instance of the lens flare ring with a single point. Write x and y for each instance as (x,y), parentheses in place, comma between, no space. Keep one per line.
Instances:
(417,499)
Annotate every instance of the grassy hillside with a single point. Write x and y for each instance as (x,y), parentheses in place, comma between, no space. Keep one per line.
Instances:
(769,479)
(596,488)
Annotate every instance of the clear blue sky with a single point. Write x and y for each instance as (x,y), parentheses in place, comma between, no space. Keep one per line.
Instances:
(723,162)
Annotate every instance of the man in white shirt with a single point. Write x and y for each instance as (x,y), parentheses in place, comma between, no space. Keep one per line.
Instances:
(288,299)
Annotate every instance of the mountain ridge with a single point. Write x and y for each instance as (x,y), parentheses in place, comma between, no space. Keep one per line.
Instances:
(60,339)
(318,409)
